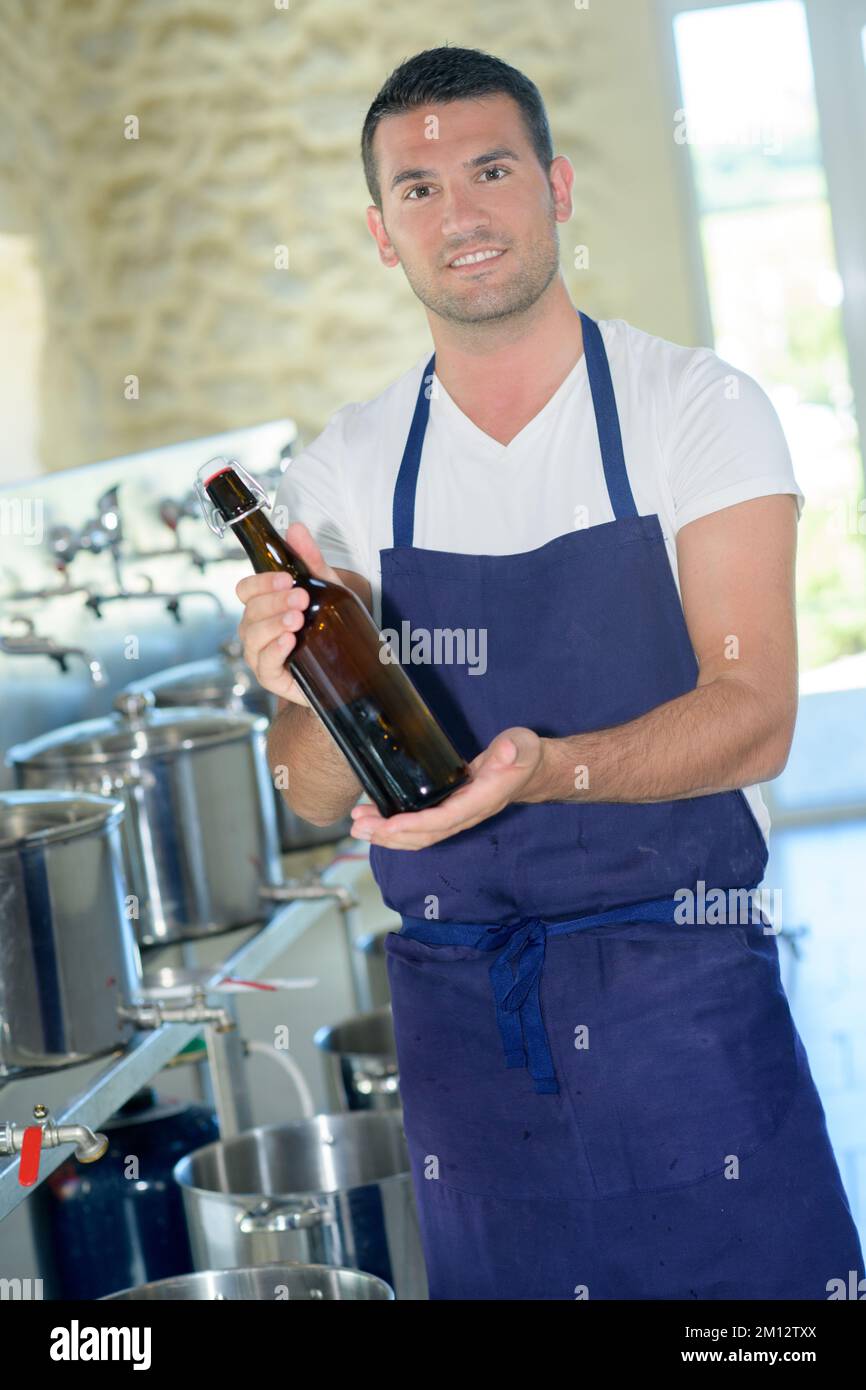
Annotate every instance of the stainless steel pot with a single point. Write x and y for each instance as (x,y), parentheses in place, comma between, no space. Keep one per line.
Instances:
(279,1283)
(227,682)
(372,947)
(361,1061)
(333,1189)
(200,833)
(68,955)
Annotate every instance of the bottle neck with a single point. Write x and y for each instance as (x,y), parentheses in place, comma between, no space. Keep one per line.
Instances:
(266,547)
(243,513)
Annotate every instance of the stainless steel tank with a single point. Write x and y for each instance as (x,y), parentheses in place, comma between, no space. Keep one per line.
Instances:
(200,833)
(68,955)
(227,682)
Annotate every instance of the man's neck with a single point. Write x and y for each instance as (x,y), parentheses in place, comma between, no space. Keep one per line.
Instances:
(501,374)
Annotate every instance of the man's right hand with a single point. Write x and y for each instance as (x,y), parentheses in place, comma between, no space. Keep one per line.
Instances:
(274,614)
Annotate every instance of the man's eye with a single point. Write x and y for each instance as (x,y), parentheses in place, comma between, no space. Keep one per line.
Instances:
(492,169)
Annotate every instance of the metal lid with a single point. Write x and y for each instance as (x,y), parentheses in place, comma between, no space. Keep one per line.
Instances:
(223,681)
(38,817)
(209,682)
(148,733)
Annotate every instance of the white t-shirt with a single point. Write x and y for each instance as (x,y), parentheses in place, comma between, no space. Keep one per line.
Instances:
(698,435)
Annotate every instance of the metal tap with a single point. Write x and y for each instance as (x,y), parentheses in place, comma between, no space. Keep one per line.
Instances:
(105,530)
(308,887)
(50,591)
(30,643)
(64,544)
(95,601)
(171,514)
(169,552)
(30,1140)
(154,1015)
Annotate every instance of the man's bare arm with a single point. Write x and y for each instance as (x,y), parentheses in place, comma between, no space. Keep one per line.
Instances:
(312,773)
(736,569)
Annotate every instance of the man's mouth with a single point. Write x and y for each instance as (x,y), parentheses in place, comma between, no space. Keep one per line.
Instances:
(474,258)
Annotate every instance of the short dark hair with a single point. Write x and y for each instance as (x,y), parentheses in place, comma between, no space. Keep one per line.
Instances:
(453,74)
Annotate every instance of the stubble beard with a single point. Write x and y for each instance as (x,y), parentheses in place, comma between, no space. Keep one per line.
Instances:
(487,302)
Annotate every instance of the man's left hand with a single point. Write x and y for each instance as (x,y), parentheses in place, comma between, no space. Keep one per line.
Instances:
(506,771)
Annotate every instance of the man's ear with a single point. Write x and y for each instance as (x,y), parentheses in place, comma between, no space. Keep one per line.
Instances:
(561,177)
(387,255)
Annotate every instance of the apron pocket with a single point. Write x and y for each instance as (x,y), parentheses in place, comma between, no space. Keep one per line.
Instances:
(688,1061)
(471,1122)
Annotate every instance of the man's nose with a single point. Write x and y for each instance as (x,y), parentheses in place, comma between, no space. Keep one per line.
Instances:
(463,215)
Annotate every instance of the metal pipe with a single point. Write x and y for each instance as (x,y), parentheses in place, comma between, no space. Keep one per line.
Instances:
(155,1014)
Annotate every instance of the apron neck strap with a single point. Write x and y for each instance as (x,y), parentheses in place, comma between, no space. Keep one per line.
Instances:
(403,511)
(607,426)
(606,420)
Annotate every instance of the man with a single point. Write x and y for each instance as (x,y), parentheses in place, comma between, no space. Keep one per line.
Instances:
(603,1098)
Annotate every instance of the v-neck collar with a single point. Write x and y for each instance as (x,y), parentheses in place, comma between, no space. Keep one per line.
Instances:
(446,408)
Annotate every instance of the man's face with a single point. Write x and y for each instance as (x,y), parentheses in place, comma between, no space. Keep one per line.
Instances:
(462,177)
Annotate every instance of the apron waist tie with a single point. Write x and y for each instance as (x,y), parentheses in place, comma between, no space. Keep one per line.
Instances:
(516,978)
(515,974)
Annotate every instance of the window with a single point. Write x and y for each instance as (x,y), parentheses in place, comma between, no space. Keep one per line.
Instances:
(764,116)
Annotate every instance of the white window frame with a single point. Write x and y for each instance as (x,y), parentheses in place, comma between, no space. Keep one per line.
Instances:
(840,94)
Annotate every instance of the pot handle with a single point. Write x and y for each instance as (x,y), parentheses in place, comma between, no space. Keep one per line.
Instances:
(377,1085)
(293,1216)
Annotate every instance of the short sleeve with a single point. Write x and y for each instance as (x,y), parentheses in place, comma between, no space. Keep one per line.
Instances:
(312,490)
(726,443)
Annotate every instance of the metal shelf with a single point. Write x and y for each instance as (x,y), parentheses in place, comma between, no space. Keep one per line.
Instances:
(148,1052)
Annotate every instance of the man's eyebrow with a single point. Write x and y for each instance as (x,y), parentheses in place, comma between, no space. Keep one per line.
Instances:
(406,175)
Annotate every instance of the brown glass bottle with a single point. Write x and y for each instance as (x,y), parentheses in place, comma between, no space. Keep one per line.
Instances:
(401,756)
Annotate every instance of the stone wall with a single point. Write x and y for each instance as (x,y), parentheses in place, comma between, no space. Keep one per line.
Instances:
(156,254)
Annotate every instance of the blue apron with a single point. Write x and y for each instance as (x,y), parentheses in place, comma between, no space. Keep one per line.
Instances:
(600,1101)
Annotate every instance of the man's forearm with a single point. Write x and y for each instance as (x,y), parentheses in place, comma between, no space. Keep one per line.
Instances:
(309,769)
(718,737)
